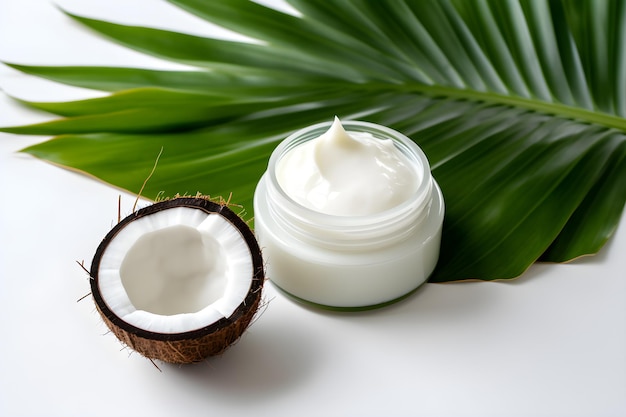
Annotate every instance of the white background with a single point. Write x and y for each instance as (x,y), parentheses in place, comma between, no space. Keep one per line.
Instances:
(551,343)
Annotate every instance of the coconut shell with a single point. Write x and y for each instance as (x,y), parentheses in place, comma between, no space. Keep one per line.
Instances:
(195,345)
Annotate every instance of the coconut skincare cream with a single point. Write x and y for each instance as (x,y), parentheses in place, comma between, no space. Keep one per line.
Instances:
(348,215)
(345,174)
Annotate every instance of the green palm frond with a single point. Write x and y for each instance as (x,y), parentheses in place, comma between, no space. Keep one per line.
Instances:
(519,105)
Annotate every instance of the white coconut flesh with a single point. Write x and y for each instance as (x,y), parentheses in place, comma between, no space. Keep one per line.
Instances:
(176,270)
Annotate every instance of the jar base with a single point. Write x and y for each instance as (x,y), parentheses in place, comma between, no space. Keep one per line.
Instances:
(346,309)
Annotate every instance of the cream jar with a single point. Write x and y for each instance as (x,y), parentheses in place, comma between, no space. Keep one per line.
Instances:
(343,261)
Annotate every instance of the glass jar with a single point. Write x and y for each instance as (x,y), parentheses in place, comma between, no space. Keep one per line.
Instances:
(349,262)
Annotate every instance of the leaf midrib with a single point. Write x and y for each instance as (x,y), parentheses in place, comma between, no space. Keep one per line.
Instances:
(556,109)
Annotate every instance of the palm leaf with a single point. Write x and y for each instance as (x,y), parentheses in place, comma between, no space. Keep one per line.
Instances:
(520,106)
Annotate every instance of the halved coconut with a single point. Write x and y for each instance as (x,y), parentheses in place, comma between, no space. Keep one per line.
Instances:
(179,280)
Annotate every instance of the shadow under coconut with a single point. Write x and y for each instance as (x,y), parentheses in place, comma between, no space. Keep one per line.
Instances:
(268,359)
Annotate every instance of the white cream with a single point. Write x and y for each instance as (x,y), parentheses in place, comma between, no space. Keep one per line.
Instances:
(347,173)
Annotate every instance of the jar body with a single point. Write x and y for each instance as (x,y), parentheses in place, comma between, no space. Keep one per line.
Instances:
(327,261)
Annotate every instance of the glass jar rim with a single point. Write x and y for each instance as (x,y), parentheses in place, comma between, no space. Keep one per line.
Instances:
(416,202)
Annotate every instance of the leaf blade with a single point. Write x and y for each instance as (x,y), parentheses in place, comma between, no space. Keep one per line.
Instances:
(525,134)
